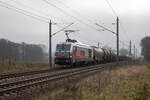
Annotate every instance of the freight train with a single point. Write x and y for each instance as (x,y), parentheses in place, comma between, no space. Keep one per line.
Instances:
(72,52)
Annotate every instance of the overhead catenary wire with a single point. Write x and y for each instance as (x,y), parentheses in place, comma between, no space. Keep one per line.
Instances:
(121,24)
(62,29)
(53,18)
(21,4)
(24,12)
(114,12)
(76,12)
(41,20)
(35,16)
(106,28)
(66,13)
(73,10)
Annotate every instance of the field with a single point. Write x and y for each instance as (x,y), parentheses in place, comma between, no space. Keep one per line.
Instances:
(125,83)
(12,66)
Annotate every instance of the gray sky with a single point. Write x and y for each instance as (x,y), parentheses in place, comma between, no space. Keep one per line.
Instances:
(134,18)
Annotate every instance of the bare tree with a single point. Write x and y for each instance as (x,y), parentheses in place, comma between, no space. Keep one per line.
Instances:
(145,44)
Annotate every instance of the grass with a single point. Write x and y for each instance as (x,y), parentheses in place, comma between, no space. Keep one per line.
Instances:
(125,83)
(13,66)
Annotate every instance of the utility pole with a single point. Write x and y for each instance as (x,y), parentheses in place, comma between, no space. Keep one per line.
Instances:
(137,52)
(50,44)
(117,35)
(117,40)
(98,44)
(134,52)
(130,47)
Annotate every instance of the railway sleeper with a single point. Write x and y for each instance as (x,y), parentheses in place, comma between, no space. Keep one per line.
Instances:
(47,79)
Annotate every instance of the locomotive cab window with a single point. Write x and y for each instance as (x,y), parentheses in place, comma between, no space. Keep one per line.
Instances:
(63,47)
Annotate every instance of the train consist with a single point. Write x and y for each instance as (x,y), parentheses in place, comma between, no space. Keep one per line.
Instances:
(74,53)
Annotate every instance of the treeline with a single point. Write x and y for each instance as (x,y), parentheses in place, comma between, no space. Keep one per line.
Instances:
(145,43)
(21,51)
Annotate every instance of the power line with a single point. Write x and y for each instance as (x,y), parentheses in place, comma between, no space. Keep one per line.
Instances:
(79,13)
(10,7)
(26,13)
(28,7)
(19,10)
(37,10)
(106,28)
(76,12)
(67,6)
(62,29)
(114,12)
(69,14)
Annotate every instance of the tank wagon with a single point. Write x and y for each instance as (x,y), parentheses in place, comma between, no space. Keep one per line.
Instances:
(73,52)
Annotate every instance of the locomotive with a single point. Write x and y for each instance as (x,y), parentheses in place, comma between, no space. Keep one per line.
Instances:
(72,52)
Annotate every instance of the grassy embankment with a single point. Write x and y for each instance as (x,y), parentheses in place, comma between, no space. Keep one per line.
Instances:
(11,66)
(126,83)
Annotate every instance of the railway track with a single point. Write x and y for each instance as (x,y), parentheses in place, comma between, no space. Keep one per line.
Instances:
(10,87)
(25,73)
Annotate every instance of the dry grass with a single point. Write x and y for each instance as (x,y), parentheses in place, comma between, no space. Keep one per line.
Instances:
(126,83)
(12,66)
(130,83)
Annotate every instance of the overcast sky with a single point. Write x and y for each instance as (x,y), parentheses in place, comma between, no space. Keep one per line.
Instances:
(134,18)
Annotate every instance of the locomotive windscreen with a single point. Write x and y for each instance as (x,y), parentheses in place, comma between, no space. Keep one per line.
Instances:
(63,47)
